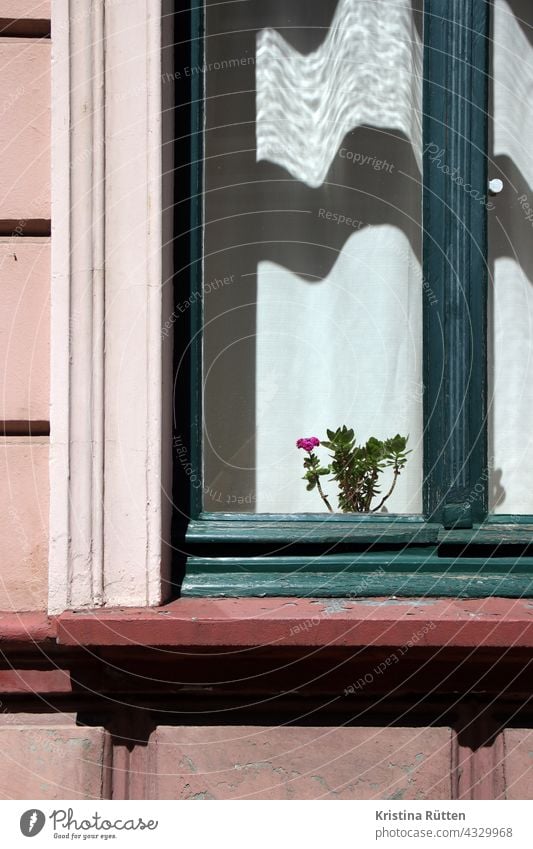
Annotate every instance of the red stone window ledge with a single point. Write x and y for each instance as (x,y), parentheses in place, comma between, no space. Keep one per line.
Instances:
(469,623)
(493,622)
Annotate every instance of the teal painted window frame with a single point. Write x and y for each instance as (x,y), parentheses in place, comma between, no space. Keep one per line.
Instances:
(455,548)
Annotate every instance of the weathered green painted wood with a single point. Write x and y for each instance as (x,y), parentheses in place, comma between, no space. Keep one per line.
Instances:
(320,585)
(508,534)
(455,247)
(306,531)
(508,519)
(196,311)
(306,528)
(376,563)
(347,518)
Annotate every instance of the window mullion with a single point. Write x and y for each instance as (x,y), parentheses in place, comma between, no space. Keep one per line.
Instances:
(455,247)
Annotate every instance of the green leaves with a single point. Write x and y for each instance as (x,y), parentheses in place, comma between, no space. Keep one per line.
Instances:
(340,438)
(357,468)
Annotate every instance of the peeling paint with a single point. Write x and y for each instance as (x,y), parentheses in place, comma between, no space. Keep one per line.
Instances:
(398,602)
(323,783)
(398,794)
(335,607)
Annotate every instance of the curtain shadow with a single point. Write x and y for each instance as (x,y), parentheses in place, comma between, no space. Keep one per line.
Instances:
(256,212)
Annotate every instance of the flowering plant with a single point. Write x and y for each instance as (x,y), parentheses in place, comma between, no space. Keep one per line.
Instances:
(355,468)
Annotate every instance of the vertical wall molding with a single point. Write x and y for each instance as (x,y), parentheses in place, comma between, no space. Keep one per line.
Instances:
(109,408)
(133,768)
(478,755)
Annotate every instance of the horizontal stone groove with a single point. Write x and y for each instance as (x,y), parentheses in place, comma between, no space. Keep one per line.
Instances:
(24,428)
(24,28)
(21,227)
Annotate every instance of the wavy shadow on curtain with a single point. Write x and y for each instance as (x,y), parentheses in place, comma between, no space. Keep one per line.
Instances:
(511,261)
(313,113)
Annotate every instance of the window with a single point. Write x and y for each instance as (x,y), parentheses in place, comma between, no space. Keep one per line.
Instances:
(510,387)
(333,268)
(312,295)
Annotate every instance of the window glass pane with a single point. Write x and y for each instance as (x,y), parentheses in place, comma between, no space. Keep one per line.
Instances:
(511,261)
(312,274)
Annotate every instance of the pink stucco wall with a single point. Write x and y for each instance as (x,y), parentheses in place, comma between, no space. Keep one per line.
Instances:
(56,760)
(39,9)
(46,756)
(233,762)
(24,329)
(24,307)
(23,523)
(519,763)
(24,130)
(49,758)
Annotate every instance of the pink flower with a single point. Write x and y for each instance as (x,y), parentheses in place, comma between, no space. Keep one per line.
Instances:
(308,443)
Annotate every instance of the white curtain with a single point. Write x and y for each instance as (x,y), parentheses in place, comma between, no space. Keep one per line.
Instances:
(366,71)
(511,262)
(344,348)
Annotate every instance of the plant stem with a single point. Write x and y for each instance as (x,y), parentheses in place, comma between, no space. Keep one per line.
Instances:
(368,499)
(323,497)
(383,500)
(348,492)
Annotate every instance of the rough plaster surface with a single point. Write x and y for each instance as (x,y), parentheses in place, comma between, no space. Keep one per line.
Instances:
(235,762)
(23,523)
(519,763)
(51,763)
(24,329)
(24,131)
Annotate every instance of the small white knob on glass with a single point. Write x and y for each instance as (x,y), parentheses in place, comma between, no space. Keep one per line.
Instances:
(495,186)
